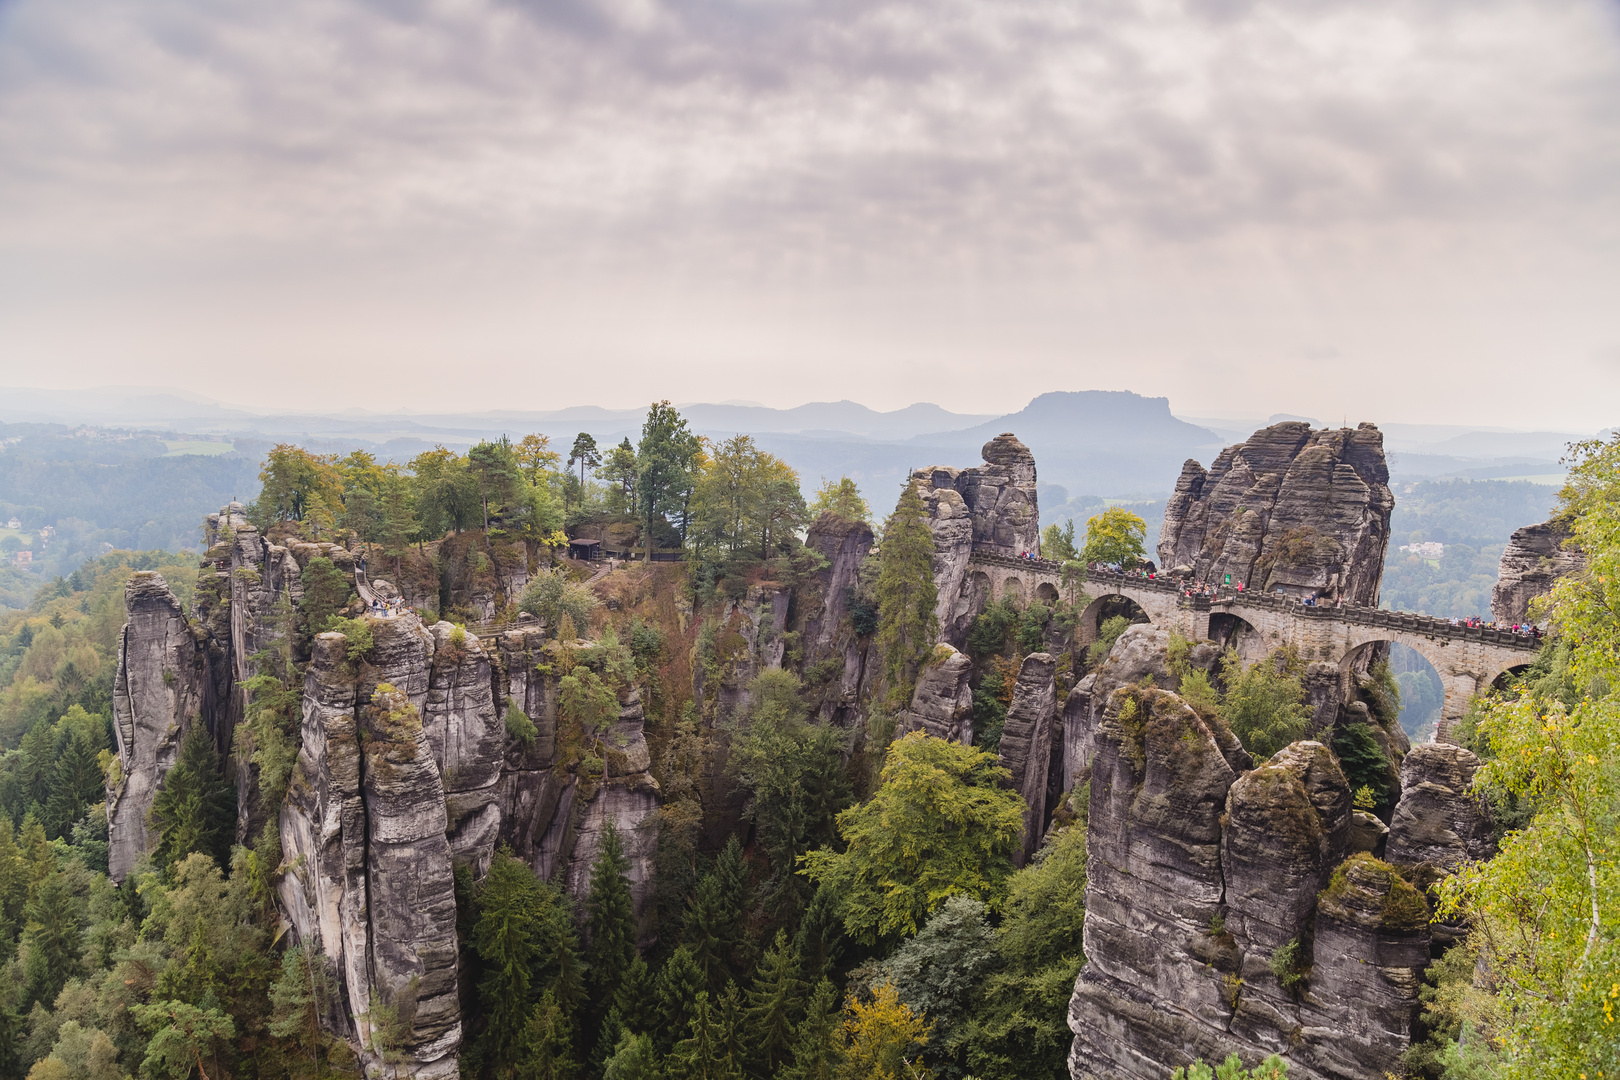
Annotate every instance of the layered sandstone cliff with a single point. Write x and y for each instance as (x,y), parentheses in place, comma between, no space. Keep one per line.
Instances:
(991,505)
(158,693)
(1535,558)
(1225,912)
(1291,509)
(407,768)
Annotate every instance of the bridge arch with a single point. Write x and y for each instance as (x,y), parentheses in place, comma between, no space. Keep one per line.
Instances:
(1230,630)
(1103,608)
(1466,668)
(1047,593)
(1012,588)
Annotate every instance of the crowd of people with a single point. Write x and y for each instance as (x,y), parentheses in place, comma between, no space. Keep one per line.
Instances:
(387,609)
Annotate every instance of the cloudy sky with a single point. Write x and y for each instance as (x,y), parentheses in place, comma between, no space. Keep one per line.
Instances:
(1401,211)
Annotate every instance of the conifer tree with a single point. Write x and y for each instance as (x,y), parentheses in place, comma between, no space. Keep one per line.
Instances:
(679,983)
(78,781)
(713,915)
(14,881)
(818,1046)
(635,990)
(51,939)
(547,1050)
(702,1054)
(905,593)
(611,917)
(820,935)
(509,938)
(635,1058)
(774,1003)
(195,809)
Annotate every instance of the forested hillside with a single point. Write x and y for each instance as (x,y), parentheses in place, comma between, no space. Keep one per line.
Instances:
(827,882)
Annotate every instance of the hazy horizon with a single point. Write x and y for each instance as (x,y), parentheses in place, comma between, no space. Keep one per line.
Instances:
(1389,210)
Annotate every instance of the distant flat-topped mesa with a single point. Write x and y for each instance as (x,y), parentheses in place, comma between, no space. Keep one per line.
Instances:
(1295,510)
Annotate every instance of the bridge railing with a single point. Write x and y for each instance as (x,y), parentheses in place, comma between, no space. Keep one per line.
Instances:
(1404,621)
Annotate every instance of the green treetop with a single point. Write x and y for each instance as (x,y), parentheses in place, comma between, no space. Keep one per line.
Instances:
(666,461)
(942,823)
(842,498)
(1115,537)
(905,592)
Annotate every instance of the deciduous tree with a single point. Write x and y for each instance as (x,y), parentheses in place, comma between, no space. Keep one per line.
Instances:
(942,823)
(1114,538)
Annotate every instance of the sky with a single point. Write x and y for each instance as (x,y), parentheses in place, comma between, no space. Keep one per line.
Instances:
(1402,211)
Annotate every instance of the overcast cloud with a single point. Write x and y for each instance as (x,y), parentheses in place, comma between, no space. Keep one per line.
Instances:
(1395,211)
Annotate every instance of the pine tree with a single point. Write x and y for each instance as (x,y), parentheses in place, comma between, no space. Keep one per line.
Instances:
(547,1051)
(905,593)
(611,918)
(14,881)
(774,1001)
(78,781)
(679,983)
(714,915)
(702,1054)
(195,809)
(635,990)
(706,930)
(509,938)
(635,1058)
(820,936)
(818,1045)
(297,999)
(610,1034)
(51,940)
(729,1015)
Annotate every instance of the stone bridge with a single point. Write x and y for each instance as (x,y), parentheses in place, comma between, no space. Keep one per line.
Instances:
(1467,659)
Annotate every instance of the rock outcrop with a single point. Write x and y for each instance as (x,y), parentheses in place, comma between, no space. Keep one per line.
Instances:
(993,505)
(370,879)
(158,694)
(1141,652)
(1155,988)
(834,654)
(415,757)
(1026,745)
(1536,556)
(1292,509)
(1222,914)
(942,703)
(1439,822)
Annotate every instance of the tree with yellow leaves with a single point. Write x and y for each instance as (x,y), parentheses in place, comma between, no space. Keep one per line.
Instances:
(883,1037)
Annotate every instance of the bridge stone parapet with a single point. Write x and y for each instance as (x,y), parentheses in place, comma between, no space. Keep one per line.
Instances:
(1468,659)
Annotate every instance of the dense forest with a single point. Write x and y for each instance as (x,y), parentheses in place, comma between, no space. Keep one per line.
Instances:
(831,901)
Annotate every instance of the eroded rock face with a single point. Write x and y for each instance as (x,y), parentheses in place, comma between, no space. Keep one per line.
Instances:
(371,882)
(942,704)
(823,613)
(406,767)
(1141,652)
(1153,989)
(1535,558)
(1026,741)
(1438,821)
(1372,944)
(1293,509)
(1166,981)
(994,505)
(158,694)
